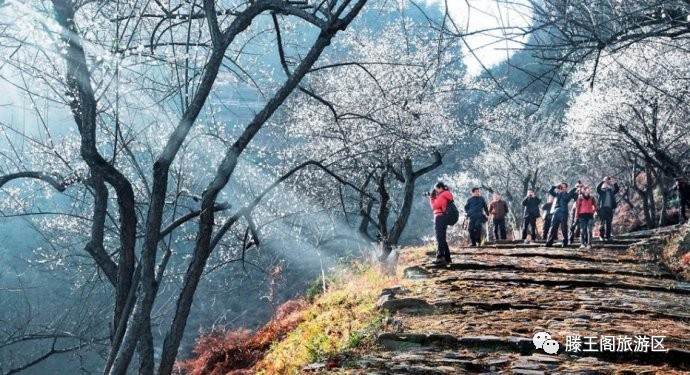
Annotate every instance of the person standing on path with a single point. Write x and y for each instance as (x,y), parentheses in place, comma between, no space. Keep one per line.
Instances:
(548,215)
(585,207)
(530,214)
(561,197)
(607,190)
(575,226)
(439,199)
(477,212)
(499,209)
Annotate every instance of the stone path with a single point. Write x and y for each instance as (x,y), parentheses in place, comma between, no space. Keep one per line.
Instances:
(479,314)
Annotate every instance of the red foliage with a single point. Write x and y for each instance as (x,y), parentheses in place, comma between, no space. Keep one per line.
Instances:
(686,259)
(221,352)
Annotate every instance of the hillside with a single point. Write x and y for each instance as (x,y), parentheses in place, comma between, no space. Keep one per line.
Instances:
(480,314)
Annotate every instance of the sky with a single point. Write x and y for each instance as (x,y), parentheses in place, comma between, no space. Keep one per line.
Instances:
(490,46)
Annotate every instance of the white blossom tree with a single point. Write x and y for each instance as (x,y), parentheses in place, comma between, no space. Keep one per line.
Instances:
(382,119)
(137,78)
(636,115)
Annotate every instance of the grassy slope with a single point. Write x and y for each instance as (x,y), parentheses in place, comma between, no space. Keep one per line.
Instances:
(343,319)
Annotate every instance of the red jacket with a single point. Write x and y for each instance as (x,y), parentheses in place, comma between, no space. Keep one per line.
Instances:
(439,203)
(585,206)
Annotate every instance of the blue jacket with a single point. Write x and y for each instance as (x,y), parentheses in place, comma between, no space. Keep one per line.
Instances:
(561,199)
(476,208)
(531,205)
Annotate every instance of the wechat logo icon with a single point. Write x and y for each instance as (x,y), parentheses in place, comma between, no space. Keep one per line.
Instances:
(542,340)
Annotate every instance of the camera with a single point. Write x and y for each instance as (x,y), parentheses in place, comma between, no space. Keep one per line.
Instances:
(429,193)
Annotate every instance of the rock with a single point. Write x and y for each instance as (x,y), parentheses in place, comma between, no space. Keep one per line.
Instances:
(416,272)
(408,357)
(383,299)
(520,371)
(498,362)
(394,290)
(542,358)
(445,341)
(526,365)
(401,341)
(314,367)
(405,305)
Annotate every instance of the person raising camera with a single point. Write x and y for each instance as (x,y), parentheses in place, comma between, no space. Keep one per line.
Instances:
(561,197)
(439,198)
(607,190)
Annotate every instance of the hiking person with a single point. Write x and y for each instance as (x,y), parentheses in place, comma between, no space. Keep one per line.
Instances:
(530,214)
(548,215)
(585,207)
(683,196)
(498,208)
(477,212)
(607,190)
(561,197)
(439,198)
(575,226)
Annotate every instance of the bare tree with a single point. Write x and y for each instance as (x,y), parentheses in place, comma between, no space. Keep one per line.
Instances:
(198,39)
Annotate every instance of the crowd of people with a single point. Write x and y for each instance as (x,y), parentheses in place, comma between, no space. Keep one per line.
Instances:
(556,213)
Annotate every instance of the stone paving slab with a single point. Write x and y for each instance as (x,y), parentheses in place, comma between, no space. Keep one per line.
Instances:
(480,313)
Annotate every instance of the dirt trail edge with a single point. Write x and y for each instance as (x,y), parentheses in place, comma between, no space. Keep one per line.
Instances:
(479,315)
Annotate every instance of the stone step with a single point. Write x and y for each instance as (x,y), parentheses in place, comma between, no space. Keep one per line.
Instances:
(595,246)
(580,269)
(524,345)
(556,253)
(584,281)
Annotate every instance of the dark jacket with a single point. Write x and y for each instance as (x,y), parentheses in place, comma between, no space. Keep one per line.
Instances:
(531,205)
(499,209)
(476,208)
(561,199)
(609,193)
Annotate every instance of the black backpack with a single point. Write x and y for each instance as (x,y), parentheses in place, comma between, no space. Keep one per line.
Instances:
(452,215)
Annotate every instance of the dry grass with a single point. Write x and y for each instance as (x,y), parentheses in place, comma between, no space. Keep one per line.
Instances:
(338,321)
(676,253)
(341,320)
(236,352)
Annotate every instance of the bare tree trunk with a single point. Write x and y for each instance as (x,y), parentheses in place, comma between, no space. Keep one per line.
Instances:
(225,169)
(84,112)
(145,349)
(410,179)
(663,215)
(649,187)
(382,216)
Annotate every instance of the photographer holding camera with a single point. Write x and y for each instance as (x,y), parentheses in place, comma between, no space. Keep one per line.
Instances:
(440,198)
(607,190)
(561,197)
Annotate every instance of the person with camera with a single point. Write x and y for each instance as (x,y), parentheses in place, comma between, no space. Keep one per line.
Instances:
(498,208)
(562,198)
(607,190)
(439,198)
(585,207)
(477,212)
(530,214)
